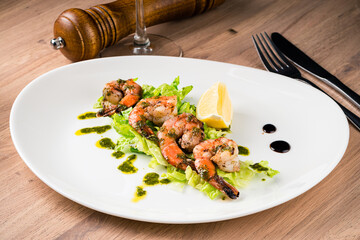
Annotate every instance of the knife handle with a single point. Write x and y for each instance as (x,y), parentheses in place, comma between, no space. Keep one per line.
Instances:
(342,88)
(355,120)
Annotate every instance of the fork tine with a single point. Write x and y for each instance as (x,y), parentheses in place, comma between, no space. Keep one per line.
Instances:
(267,54)
(270,50)
(288,64)
(263,59)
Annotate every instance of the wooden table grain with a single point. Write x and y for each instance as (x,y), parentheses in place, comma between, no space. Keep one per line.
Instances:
(328,30)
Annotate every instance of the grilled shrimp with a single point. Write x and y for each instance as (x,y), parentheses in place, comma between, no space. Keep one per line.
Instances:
(223,152)
(154,109)
(184,129)
(119,95)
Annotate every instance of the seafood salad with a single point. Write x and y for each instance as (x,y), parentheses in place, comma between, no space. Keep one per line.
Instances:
(158,122)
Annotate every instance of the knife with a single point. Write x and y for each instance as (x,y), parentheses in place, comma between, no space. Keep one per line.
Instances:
(309,65)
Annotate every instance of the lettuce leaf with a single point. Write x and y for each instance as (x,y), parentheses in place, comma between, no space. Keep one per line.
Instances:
(98,103)
(248,170)
(213,133)
(167,90)
(194,180)
(148,91)
(263,167)
(239,179)
(186,107)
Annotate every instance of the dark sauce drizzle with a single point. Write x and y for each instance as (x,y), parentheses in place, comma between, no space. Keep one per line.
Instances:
(269,128)
(280,146)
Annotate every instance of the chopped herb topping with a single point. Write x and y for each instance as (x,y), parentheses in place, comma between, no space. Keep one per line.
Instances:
(172,133)
(128,86)
(195,131)
(120,81)
(144,104)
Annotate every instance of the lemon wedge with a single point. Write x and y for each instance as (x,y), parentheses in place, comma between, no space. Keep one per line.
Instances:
(214,107)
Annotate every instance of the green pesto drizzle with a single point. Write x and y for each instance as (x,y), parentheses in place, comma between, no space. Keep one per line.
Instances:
(165,181)
(87,115)
(105,143)
(243,151)
(139,194)
(118,154)
(127,166)
(151,179)
(98,130)
(140,191)
(258,167)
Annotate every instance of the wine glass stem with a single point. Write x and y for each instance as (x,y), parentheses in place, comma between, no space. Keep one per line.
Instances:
(140,37)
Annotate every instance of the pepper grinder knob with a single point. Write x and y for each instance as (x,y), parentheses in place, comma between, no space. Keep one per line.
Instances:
(57,43)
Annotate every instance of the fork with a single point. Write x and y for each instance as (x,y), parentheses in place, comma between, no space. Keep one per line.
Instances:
(284,67)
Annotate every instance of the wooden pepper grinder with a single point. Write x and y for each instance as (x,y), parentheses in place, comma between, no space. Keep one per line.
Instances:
(82,34)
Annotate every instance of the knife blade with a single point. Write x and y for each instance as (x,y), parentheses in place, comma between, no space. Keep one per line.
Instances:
(309,65)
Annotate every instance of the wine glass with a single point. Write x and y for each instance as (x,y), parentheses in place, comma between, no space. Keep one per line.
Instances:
(142,43)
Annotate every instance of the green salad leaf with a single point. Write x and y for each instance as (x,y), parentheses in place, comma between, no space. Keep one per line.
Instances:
(186,107)
(167,90)
(239,179)
(98,103)
(213,133)
(263,167)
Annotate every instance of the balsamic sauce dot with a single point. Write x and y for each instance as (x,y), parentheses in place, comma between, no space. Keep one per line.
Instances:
(280,146)
(269,128)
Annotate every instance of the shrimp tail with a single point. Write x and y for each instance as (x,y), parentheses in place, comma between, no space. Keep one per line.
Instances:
(225,187)
(109,110)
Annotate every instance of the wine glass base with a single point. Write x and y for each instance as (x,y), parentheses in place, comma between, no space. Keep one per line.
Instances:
(159,45)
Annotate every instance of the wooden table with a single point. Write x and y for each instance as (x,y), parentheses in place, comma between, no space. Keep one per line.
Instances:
(329,31)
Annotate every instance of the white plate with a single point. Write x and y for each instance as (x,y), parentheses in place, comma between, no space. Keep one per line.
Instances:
(44,119)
